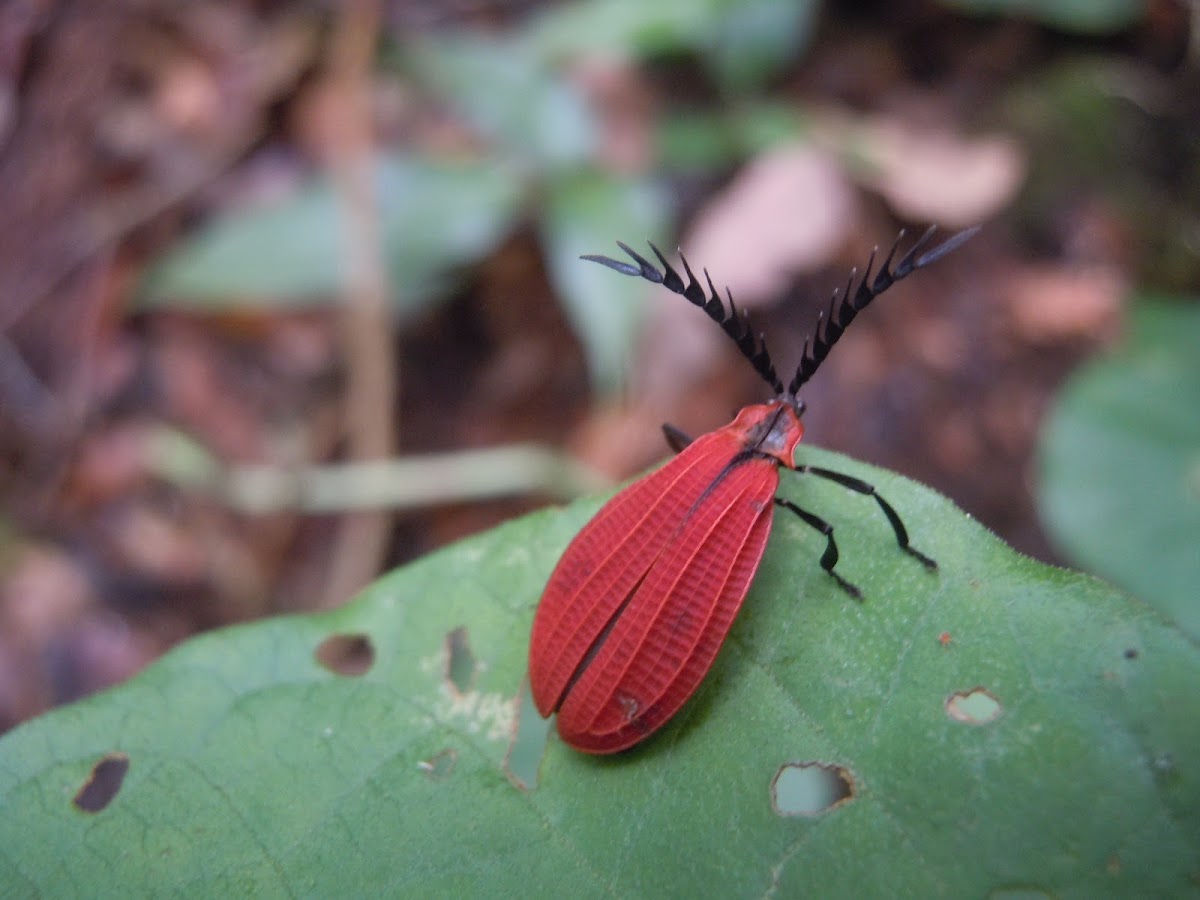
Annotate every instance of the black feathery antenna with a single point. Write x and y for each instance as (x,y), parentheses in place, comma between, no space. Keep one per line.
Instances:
(732,321)
(843,307)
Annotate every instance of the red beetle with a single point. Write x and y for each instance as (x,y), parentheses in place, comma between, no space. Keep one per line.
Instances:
(641,601)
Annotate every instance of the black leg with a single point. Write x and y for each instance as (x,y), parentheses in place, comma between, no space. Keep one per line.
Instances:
(856,484)
(676,439)
(830,557)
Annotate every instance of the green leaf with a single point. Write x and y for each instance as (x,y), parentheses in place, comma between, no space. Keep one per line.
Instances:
(757,38)
(745,41)
(1085,16)
(607,27)
(585,212)
(435,217)
(1120,462)
(699,141)
(509,94)
(998,726)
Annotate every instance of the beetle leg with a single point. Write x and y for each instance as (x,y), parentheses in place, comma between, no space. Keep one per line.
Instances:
(830,557)
(862,487)
(677,440)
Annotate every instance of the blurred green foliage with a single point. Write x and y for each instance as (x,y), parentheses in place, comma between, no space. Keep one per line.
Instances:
(1083,16)
(434,217)
(536,160)
(742,42)
(1119,483)
(1125,143)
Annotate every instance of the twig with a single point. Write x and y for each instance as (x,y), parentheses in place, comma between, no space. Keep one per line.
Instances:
(409,482)
(371,385)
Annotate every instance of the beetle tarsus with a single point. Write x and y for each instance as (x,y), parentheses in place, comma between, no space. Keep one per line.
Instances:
(829,558)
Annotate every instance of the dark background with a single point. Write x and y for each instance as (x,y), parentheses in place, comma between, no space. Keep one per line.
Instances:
(128,127)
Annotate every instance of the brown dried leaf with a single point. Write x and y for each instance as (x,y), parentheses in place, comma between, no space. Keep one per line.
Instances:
(930,174)
(625,110)
(155,545)
(43,592)
(1052,303)
(788,211)
(618,440)
(111,463)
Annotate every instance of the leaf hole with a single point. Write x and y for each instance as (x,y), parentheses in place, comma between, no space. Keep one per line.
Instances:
(460,661)
(351,655)
(528,744)
(439,766)
(1131,653)
(103,783)
(977,706)
(810,789)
